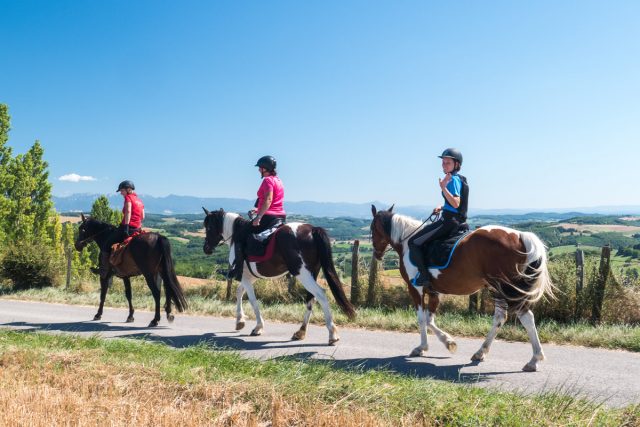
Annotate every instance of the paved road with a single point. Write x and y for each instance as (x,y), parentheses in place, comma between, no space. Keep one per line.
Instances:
(612,377)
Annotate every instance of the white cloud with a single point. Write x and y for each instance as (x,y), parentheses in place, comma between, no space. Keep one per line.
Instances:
(74,177)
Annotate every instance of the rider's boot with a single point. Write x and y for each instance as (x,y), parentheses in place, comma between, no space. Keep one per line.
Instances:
(423,278)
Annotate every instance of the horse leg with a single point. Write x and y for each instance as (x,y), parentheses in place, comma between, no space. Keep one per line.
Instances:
(310,284)
(105,282)
(302,332)
(240,317)
(499,317)
(155,291)
(127,292)
(167,297)
(248,285)
(418,302)
(528,321)
(445,338)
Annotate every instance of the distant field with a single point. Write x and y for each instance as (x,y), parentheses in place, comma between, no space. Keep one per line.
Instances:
(71,219)
(627,230)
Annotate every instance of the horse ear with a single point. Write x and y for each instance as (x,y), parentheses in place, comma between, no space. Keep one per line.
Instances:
(206,212)
(221,211)
(82,216)
(374,211)
(391,208)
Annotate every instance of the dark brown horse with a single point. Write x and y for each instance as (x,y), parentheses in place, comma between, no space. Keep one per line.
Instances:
(511,263)
(149,252)
(300,249)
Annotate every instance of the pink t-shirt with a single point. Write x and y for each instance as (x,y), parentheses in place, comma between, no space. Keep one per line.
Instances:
(273,184)
(136,210)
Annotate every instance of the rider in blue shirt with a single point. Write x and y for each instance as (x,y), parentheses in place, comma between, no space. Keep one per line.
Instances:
(454,212)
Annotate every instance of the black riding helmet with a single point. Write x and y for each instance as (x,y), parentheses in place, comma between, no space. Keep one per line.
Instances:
(267,162)
(452,153)
(126,184)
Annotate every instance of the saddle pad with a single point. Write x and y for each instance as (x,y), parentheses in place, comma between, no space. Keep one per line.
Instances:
(268,252)
(440,252)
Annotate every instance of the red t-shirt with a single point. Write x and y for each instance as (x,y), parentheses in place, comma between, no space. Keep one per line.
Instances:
(136,210)
(273,184)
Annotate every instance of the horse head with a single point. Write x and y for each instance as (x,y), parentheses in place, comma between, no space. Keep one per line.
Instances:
(213,226)
(380,230)
(84,233)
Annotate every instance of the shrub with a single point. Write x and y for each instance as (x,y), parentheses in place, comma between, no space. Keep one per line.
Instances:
(29,265)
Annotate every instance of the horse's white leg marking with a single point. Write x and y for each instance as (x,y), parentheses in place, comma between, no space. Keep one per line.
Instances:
(444,337)
(422,324)
(499,317)
(240,317)
(302,332)
(247,282)
(310,284)
(528,321)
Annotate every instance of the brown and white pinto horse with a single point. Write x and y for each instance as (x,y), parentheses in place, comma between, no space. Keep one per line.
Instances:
(511,263)
(300,249)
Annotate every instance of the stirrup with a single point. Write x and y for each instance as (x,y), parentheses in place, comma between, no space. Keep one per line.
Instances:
(421,280)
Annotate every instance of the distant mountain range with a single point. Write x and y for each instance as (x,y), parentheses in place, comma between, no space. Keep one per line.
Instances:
(173,204)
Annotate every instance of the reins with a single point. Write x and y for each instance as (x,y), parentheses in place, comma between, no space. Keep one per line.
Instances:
(82,242)
(432,218)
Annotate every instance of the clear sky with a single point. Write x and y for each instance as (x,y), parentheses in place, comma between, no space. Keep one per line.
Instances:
(355,99)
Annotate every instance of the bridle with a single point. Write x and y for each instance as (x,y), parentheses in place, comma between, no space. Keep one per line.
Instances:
(92,237)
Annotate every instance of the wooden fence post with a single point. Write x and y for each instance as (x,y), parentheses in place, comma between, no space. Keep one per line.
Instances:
(228,295)
(291,285)
(355,279)
(69,255)
(373,281)
(603,275)
(579,283)
(473,303)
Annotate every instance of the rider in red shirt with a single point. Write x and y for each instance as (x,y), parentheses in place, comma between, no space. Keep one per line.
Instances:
(132,214)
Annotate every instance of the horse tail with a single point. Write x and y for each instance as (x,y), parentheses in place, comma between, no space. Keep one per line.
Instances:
(169,275)
(531,280)
(323,245)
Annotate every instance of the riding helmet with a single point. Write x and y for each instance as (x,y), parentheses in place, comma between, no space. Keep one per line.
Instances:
(267,162)
(126,184)
(452,153)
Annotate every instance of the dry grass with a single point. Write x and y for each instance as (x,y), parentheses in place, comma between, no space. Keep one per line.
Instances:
(77,388)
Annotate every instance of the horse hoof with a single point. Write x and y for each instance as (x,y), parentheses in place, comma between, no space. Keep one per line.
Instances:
(256,333)
(417,352)
(171,318)
(130,319)
(96,317)
(299,336)
(333,341)
(239,326)
(530,367)
(452,346)
(478,356)
(153,324)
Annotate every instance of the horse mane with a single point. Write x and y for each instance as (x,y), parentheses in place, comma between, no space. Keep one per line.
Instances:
(402,226)
(100,224)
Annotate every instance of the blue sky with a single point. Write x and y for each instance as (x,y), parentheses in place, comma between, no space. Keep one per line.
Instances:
(355,99)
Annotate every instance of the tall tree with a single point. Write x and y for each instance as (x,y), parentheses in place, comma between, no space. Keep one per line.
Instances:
(101,211)
(5,177)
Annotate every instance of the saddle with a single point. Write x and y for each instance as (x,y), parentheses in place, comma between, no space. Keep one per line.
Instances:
(260,246)
(439,252)
(124,266)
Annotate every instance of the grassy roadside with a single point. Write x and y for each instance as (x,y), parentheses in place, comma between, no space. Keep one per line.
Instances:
(65,380)
(623,337)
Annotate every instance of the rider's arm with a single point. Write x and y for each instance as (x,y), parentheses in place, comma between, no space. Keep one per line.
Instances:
(142,213)
(453,200)
(127,213)
(268,198)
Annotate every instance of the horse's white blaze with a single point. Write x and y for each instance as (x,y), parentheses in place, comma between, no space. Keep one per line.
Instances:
(435,272)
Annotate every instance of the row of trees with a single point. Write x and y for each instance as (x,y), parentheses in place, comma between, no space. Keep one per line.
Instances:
(33,243)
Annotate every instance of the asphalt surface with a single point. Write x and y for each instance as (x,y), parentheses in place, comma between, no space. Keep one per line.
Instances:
(604,376)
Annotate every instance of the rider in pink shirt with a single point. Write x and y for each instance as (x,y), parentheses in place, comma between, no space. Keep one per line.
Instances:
(268,211)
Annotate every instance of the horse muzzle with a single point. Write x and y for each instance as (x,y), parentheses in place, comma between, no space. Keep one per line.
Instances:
(207,249)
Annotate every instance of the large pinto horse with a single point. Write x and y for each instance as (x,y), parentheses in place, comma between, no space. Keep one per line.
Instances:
(300,249)
(151,255)
(511,263)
